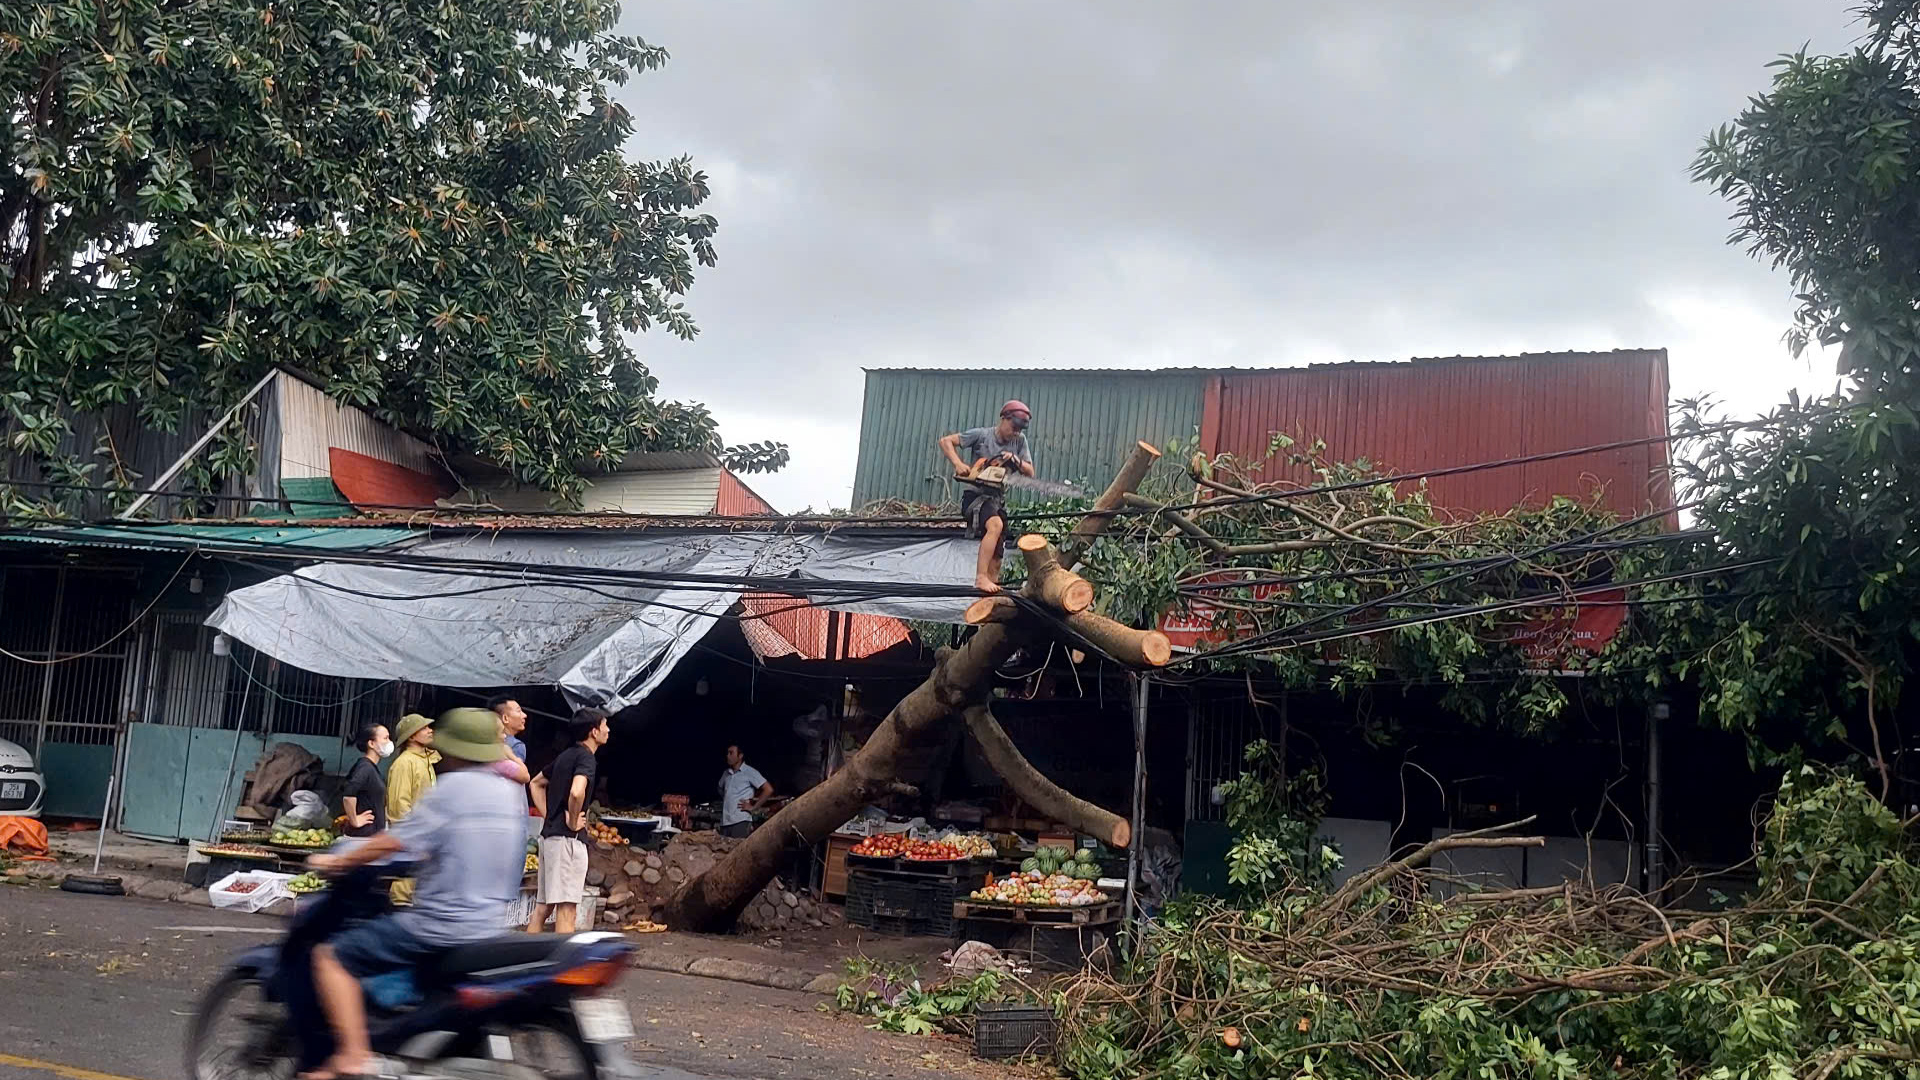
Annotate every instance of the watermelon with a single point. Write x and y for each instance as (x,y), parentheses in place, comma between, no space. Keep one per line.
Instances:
(1085,857)
(1028,866)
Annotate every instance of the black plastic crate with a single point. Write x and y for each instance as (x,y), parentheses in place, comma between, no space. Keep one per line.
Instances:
(905,904)
(1004,1031)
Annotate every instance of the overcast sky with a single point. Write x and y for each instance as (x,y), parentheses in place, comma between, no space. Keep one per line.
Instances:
(1258,183)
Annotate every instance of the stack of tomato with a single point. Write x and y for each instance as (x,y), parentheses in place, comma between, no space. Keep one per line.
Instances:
(882,846)
(933,851)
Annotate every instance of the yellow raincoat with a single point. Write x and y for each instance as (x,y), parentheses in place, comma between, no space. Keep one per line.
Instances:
(408,778)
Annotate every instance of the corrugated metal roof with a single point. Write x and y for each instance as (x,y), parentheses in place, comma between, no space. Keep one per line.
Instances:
(1083,427)
(1434,414)
(174,536)
(662,493)
(736,499)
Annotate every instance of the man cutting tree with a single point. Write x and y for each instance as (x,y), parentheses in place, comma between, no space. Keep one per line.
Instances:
(1004,445)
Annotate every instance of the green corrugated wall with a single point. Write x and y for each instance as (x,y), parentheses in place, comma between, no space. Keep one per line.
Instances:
(1084,422)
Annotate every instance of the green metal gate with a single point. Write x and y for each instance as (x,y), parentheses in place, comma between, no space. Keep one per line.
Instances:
(67,675)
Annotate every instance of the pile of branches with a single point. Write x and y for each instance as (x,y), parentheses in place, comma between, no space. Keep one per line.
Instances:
(1817,974)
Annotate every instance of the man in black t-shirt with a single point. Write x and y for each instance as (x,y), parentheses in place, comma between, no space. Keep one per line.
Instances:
(560,793)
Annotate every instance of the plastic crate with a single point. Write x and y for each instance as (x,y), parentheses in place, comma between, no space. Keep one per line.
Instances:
(901,903)
(1005,1031)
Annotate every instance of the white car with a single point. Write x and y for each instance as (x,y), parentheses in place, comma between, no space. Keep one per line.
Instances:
(21,785)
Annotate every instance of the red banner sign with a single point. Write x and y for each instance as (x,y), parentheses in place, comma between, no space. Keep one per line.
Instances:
(1204,623)
(1587,626)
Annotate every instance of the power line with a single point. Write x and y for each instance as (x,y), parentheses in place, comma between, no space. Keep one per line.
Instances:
(1202,587)
(1461,575)
(1545,599)
(1450,470)
(53,647)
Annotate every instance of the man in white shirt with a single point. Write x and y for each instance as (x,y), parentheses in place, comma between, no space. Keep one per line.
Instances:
(742,791)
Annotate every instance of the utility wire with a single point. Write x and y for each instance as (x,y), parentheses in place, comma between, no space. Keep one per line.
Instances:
(1283,633)
(831,519)
(1555,598)
(53,647)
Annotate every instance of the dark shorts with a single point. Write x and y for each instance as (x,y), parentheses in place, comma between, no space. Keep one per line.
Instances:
(739,830)
(978,508)
(377,947)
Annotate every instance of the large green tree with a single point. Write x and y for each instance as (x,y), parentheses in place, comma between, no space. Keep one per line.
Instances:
(1824,182)
(426,204)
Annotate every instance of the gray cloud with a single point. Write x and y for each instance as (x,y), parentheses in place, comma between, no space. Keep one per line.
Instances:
(1140,184)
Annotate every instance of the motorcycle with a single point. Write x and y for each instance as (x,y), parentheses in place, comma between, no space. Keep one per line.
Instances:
(516,1007)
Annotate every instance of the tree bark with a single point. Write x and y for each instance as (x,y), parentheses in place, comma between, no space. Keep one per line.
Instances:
(1036,790)
(991,609)
(1049,582)
(1090,527)
(1137,648)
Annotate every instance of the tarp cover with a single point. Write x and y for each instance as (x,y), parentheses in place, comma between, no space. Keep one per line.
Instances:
(606,646)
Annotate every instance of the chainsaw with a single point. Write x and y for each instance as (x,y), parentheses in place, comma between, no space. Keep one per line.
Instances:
(996,479)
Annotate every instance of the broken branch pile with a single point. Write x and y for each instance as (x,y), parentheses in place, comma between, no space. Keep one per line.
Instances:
(1816,974)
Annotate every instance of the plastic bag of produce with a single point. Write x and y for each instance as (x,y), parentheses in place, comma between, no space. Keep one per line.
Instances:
(309,811)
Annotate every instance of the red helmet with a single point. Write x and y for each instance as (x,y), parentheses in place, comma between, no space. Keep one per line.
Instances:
(1016,406)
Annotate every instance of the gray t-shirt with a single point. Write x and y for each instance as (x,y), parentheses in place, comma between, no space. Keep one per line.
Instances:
(984,442)
(737,784)
(469,833)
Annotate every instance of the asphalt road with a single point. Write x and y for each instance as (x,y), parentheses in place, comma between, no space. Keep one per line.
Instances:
(101,988)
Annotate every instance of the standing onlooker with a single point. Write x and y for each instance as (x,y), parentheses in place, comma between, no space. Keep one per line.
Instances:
(513,721)
(408,778)
(560,794)
(364,796)
(742,791)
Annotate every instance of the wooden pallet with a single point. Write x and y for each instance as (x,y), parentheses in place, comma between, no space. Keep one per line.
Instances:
(1090,915)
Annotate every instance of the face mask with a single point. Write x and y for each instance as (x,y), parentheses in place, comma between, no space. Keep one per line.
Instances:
(385,748)
(1018,422)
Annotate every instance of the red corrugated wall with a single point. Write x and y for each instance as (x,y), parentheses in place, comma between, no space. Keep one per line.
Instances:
(1430,414)
(735,499)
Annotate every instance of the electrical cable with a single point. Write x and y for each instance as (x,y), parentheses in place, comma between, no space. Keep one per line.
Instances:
(53,646)
(1546,599)
(1283,633)
(1452,470)
(831,519)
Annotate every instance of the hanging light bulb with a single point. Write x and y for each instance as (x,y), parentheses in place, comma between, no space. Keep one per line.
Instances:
(700,688)
(195,585)
(222,645)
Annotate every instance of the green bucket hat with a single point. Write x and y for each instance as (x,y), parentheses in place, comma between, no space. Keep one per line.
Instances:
(408,727)
(470,735)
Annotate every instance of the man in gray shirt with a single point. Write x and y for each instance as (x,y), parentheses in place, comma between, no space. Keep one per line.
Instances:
(468,834)
(742,791)
(1003,444)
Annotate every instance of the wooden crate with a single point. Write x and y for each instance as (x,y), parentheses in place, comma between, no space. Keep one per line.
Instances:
(833,880)
(1090,915)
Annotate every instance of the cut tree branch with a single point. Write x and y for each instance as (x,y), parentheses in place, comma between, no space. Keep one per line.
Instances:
(1035,789)
(1090,527)
(1049,582)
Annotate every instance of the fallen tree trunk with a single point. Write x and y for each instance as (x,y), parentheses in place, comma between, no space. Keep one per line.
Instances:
(1035,789)
(714,899)
(961,678)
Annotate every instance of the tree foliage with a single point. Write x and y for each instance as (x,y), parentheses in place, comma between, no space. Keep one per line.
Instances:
(1825,184)
(424,204)
(1814,977)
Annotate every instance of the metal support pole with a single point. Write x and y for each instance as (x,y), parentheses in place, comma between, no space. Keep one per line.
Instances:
(106,808)
(1655,859)
(1137,845)
(174,469)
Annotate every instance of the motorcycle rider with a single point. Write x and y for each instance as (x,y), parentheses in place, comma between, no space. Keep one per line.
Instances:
(467,835)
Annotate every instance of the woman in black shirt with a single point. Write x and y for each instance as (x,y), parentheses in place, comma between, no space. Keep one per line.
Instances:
(364,797)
